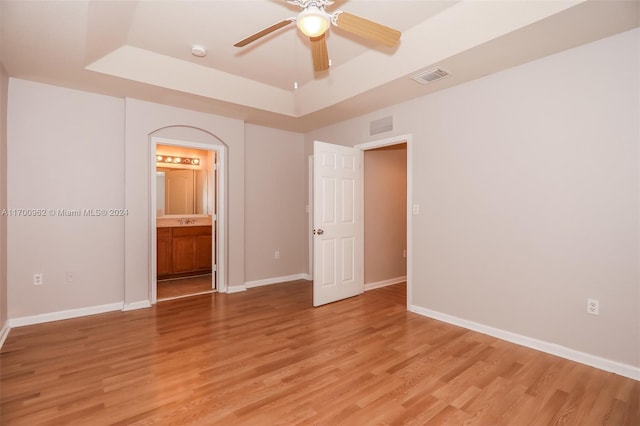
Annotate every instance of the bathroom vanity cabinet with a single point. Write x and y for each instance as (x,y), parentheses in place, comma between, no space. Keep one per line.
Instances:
(184,251)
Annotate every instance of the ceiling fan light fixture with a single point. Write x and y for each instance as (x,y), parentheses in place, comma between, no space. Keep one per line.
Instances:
(313,22)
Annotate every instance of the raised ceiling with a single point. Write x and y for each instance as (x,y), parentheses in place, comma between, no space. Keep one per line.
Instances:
(142,49)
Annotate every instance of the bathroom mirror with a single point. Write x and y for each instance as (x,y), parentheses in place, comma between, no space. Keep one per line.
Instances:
(181,192)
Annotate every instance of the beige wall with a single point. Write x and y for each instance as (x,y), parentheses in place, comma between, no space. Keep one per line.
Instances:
(385,213)
(4,86)
(275,203)
(67,152)
(93,151)
(528,187)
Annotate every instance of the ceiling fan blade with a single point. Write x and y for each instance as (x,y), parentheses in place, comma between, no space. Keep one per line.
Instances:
(319,53)
(367,29)
(264,32)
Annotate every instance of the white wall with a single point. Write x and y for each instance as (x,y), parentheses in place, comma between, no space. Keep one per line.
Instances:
(66,151)
(143,119)
(528,185)
(275,203)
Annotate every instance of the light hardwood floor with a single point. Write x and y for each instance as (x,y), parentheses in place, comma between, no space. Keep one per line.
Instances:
(182,287)
(267,357)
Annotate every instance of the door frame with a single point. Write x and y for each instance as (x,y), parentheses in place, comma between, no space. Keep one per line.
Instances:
(397,140)
(220,243)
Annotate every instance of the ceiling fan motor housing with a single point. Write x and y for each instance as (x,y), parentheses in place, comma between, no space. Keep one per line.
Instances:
(306,3)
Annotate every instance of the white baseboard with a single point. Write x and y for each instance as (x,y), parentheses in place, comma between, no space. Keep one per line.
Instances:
(276,280)
(62,315)
(384,283)
(236,289)
(621,369)
(142,304)
(4,332)
(307,277)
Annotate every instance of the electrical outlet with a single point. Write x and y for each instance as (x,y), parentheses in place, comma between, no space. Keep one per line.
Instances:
(276,255)
(38,279)
(593,306)
(71,276)
(416,209)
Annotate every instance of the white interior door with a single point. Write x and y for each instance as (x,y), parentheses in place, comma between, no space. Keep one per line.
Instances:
(338,246)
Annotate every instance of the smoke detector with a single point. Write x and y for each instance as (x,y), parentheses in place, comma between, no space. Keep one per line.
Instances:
(198,50)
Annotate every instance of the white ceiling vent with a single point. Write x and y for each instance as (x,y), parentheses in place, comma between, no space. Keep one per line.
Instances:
(431,75)
(381,125)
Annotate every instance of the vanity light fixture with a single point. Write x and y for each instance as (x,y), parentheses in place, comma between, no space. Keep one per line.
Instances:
(177,160)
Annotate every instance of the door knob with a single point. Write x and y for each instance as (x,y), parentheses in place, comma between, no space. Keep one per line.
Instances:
(320,231)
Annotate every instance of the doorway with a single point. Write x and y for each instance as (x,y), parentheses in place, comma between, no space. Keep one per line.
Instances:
(385,212)
(185,201)
(396,254)
(329,269)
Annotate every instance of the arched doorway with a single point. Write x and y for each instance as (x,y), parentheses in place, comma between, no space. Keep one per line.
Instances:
(178,141)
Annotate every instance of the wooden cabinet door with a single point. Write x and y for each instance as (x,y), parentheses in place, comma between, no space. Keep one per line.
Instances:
(184,254)
(184,250)
(203,252)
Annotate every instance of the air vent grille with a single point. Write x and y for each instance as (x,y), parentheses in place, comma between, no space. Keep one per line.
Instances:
(431,75)
(381,125)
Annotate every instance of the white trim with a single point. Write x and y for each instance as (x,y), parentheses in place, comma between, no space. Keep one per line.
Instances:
(142,304)
(310,217)
(625,370)
(236,289)
(307,277)
(276,280)
(394,140)
(4,333)
(385,283)
(62,315)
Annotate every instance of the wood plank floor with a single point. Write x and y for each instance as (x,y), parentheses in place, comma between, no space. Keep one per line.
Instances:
(182,287)
(266,357)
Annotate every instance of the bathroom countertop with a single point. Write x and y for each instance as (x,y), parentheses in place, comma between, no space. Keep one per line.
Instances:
(173,222)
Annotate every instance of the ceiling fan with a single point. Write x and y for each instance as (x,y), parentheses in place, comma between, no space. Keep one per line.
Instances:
(314,22)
